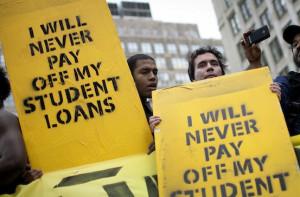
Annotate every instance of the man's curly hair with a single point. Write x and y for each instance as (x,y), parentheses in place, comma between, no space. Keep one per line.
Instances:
(4,86)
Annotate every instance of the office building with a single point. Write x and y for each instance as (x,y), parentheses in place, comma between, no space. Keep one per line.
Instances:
(168,43)
(235,17)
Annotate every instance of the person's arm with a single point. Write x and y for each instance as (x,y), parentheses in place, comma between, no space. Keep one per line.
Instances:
(284,89)
(275,88)
(252,53)
(14,166)
(12,151)
(153,122)
(30,174)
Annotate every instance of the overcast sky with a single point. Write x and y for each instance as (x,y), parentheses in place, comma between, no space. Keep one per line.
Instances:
(200,12)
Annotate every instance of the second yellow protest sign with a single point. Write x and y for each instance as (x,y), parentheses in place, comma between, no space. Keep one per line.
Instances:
(73,90)
(230,139)
(129,176)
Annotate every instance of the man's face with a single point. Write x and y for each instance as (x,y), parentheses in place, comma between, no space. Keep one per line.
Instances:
(296,49)
(145,77)
(207,66)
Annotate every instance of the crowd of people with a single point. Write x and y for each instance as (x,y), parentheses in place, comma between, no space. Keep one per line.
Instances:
(203,63)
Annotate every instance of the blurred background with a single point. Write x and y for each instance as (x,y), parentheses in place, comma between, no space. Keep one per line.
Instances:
(169,30)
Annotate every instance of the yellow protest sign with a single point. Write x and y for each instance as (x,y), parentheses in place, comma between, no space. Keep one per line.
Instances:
(73,90)
(133,175)
(230,139)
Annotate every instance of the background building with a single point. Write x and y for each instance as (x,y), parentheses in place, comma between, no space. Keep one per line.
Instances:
(237,16)
(168,43)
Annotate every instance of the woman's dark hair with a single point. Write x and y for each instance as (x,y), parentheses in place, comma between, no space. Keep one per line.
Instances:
(131,61)
(4,86)
(200,51)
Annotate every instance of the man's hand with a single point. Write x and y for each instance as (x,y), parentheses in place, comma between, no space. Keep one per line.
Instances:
(153,122)
(252,53)
(151,148)
(275,88)
(31,174)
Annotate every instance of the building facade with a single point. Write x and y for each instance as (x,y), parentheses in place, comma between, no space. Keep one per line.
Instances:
(238,16)
(168,43)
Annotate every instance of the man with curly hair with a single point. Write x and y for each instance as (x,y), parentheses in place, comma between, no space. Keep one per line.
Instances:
(207,62)
(14,166)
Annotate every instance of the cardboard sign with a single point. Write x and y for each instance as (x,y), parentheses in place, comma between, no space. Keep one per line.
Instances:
(129,176)
(73,90)
(230,139)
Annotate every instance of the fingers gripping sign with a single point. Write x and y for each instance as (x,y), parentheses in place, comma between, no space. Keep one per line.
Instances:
(275,88)
(153,122)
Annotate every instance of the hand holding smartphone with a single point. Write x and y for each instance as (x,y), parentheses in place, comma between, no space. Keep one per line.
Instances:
(258,35)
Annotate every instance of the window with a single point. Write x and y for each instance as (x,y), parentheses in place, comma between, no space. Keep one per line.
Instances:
(172,34)
(265,18)
(135,5)
(144,14)
(228,3)
(284,71)
(146,47)
(179,63)
(252,27)
(172,48)
(163,76)
(2,62)
(184,49)
(136,9)
(220,49)
(234,24)
(159,48)
(286,25)
(113,7)
(132,47)
(245,10)
(161,63)
(144,6)
(264,60)
(279,7)
(194,47)
(298,14)
(276,50)
(190,32)
(181,78)
(9,104)
(258,3)
(241,51)
(128,4)
(123,45)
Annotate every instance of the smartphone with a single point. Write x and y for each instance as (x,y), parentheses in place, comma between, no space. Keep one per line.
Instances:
(258,35)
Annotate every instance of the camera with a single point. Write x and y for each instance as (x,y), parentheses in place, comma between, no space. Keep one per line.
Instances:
(257,35)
